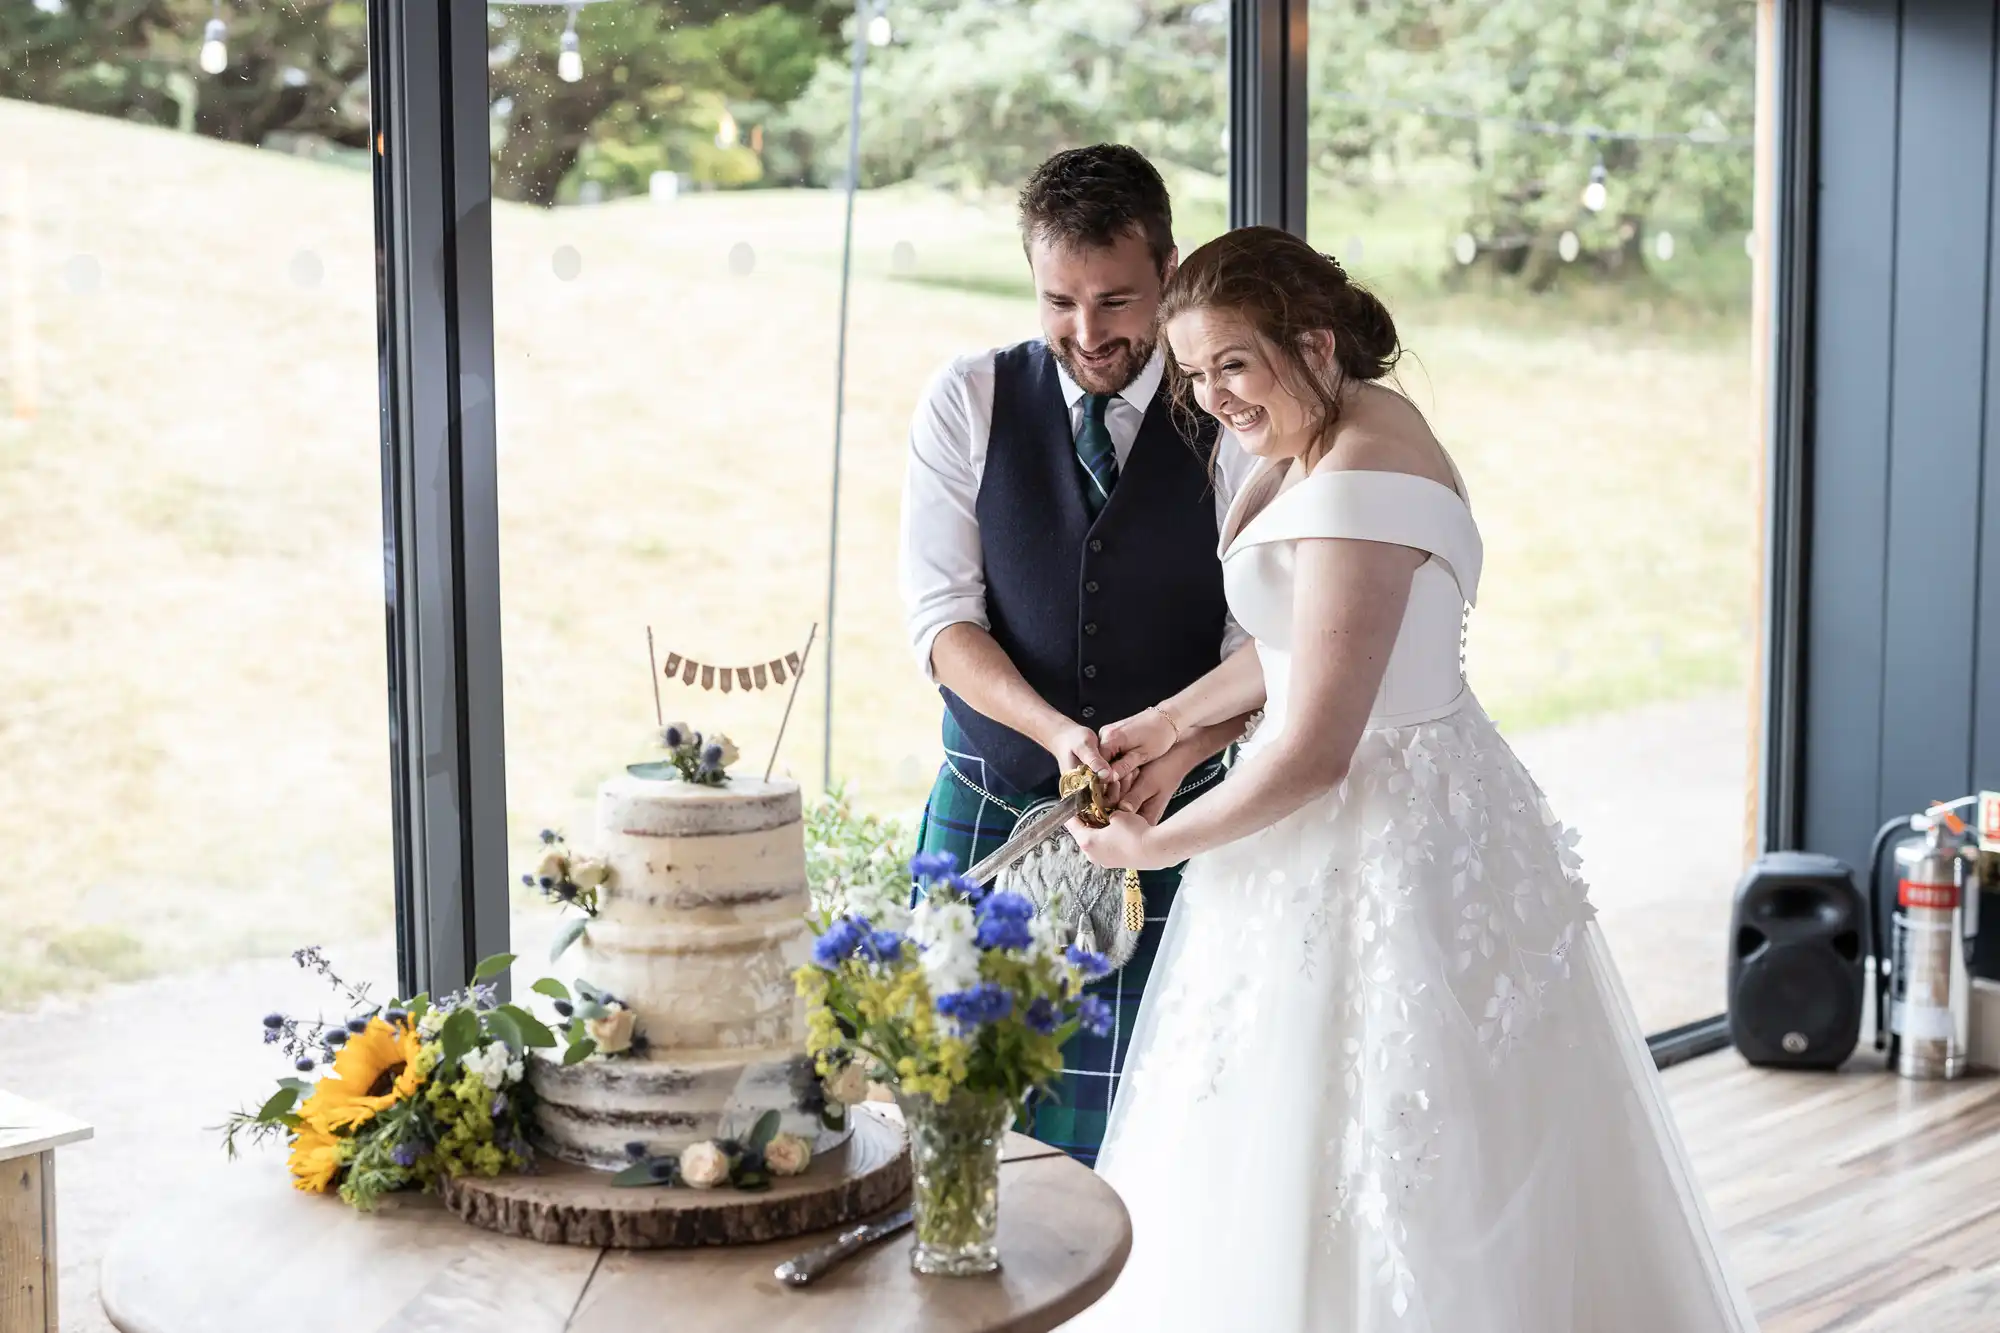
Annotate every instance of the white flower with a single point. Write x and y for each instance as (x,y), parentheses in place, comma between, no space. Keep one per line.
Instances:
(704,1165)
(589,873)
(431,1024)
(728,748)
(679,729)
(849,1087)
(489,1063)
(613,1032)
(788,1155)
(944,929)
(553,866)
(516,1070)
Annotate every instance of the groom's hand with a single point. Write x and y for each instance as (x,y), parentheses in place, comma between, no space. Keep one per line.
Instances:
(1075,745)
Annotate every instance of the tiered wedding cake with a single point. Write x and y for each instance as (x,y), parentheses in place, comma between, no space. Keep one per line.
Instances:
(699,929)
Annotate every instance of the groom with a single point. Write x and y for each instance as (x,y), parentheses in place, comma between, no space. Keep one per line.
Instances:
(1059,560)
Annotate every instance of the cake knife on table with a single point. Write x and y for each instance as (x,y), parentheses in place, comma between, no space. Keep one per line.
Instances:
(816,1263)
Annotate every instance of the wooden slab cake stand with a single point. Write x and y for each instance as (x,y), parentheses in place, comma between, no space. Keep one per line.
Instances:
(560,1204)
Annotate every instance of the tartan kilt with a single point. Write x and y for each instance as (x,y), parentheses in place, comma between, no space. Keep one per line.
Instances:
(1073,1114)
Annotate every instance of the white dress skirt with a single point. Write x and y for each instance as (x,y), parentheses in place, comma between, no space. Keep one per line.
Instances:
(1386,1076)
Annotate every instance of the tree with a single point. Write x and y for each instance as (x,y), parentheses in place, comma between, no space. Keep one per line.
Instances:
(661,87)
(659,79)
(293,67)
(1498,89)
(975,93)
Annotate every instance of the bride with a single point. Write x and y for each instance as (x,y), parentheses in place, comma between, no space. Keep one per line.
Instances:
(1386,1076)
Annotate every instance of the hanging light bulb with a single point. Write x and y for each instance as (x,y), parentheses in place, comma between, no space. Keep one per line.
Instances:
(879,31)
(214,46)
(569,64)
(1594,193)
(725,131)
(1568,247)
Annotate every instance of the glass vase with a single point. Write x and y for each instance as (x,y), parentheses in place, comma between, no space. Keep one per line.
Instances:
(955,1197)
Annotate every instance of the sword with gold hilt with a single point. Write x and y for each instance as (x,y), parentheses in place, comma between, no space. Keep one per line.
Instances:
(1080,795)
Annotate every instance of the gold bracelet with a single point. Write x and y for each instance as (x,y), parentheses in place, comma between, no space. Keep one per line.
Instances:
(1170,721)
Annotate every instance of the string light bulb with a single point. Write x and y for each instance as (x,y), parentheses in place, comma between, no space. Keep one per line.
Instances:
(1568,247)
(215,46)
(879,31)
(1594,194)
(569,62)
(726,132)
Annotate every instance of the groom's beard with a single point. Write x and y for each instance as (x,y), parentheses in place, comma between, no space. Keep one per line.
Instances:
(1111,373)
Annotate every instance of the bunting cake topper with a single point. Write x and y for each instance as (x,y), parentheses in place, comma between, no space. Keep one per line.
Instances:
(767,675)
(762,676)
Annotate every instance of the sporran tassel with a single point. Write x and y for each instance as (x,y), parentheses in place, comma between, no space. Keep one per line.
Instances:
(1135,903)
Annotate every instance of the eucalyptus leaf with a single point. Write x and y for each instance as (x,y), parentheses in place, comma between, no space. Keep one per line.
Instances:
(659,770)
(460,1031)
(752,1181)
(766,1130)
(550,987)
(490,968)
(640,1174)
(533,1031)
(507,1030)
(579,1051)
(833,1115)
(568,935)
(281,1102)
(303,1086)
(590,1009)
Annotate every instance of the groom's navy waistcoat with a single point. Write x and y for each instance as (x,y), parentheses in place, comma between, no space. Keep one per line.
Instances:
(1102,618)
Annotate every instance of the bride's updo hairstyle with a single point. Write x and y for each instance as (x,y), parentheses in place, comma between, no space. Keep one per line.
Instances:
(1285,290)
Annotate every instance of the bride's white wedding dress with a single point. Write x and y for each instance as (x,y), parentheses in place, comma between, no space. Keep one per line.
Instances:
(1386,1076)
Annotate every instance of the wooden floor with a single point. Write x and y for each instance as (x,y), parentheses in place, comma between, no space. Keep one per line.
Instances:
(1855,1201)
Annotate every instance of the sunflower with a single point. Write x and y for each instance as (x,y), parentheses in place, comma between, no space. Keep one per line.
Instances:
(375,1069)
(315,1159)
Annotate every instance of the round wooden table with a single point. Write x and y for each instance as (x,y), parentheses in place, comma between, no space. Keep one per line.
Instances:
(251,1254)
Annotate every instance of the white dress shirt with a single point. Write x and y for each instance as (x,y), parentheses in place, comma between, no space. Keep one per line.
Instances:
(943,574)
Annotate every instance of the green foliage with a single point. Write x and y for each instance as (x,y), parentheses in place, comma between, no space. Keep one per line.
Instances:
(1422,93)
(854,860)
(298,70)
(974,94)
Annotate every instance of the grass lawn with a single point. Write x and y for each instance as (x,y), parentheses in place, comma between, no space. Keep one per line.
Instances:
(193,745)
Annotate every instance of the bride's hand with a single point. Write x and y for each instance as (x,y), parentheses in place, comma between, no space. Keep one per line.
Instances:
(1136,741)
(1126,843)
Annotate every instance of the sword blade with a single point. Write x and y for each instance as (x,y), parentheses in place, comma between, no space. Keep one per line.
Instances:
(1027,834)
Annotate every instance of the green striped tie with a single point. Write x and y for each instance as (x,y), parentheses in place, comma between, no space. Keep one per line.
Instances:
(1095,453)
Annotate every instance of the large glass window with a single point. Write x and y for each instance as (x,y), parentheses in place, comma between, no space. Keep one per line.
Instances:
(1556,208)
(194,761)
(673,265)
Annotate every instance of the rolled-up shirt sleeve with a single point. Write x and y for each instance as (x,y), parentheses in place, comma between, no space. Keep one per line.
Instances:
(941,571)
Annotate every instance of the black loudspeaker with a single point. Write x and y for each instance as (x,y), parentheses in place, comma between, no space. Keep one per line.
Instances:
(1798,944)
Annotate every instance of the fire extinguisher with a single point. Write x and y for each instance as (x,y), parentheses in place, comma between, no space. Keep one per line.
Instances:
(1923,991)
